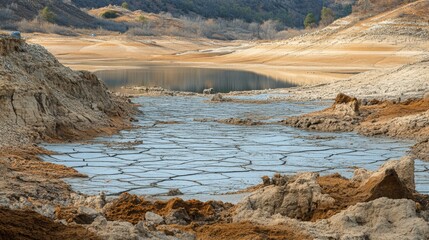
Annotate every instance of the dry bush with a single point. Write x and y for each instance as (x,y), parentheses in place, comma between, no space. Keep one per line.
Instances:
(44,27)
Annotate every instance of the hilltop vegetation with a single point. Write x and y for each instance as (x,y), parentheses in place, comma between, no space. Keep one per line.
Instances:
(289,12)
(12,12)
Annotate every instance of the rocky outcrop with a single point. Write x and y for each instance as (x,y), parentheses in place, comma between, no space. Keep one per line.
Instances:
(343,115)
(399,118)
(382,218)
(295,197)
(349,207)
(47,100)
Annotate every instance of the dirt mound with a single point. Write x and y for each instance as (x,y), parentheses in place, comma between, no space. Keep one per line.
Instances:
(132,208)
(249,231)
(31,225)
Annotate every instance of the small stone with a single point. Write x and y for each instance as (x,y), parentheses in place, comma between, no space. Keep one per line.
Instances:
(86,215)
(266,180)
(153,218)
(174,192)
(178,216)
(217,98)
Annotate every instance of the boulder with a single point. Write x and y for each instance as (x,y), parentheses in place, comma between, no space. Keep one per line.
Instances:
(294,197)
(404,169)
(346,105)
(382,218)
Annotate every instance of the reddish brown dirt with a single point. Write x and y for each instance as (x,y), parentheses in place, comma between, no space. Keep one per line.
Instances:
(348,193)
(248,231)
(387,110)
(26,160)
(22,225)
(66,133)
(133,208)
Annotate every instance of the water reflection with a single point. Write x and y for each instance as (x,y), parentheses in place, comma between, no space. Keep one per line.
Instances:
(190,79)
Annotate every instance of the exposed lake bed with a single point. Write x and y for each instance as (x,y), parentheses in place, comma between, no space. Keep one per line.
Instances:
(170,150)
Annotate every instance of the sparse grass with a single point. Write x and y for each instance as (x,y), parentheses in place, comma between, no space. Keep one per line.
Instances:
(44,27)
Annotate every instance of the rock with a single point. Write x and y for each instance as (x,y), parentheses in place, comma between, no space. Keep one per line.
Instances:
(142,229)
(421,150)
(217,98)
(96,202)
(153,218)
(177,216)
(382,218)
(403,167)
(174,192)
(384,184)
(85,215)
(114,230)
(345,105)
(295,197)
(208,91)
(426,96)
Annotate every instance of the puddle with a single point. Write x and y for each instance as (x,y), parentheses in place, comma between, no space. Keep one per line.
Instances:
(190,79)
(203,159)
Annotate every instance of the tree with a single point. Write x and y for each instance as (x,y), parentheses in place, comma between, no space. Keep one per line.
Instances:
(310,21)
(326,16)
(125,5)
(47,15)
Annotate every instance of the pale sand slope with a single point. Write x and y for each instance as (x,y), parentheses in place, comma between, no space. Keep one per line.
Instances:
(345,48)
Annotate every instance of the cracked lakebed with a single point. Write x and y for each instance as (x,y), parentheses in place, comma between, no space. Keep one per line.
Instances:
(207,159)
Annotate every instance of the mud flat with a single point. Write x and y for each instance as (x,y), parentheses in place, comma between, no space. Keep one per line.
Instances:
(192,144)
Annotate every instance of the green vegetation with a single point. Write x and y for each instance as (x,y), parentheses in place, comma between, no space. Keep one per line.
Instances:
(125,5)
(327,16)
(141,18)
(289,13)
(109,14)
(47,15)
(310,21)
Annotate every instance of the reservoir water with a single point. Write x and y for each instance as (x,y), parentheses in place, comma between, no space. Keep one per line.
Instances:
(189,79)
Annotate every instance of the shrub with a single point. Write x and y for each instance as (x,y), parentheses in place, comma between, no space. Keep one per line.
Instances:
(327,16)
(47,15)
(109,14)
(310,21)
(125,5)
(141,18)
(43,27)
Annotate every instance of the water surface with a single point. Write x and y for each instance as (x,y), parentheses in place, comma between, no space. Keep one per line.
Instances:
(189,79)
(203,158)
